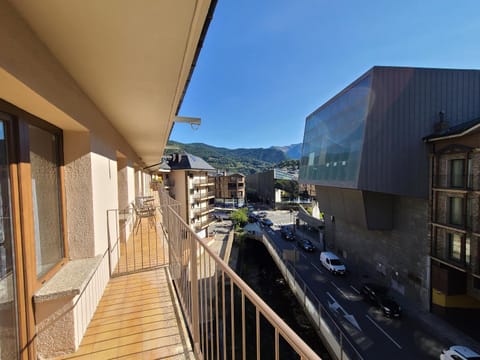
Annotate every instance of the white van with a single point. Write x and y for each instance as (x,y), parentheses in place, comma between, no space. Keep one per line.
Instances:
(332,263)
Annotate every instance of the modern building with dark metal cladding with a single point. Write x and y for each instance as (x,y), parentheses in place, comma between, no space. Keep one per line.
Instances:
(364,151)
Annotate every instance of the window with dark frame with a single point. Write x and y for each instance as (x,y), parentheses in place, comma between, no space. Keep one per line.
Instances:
(455,247)
(455,210)
(457,173)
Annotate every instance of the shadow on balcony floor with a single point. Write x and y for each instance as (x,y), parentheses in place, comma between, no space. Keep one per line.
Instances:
(136,319)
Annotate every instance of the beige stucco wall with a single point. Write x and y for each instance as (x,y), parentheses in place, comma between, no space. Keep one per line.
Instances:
(178,177)
(33,80)
(79,195)
(61,323)
(130,182)
(122,186)
(105,197)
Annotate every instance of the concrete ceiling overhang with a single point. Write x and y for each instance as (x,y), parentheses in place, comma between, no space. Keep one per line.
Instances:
(132,58)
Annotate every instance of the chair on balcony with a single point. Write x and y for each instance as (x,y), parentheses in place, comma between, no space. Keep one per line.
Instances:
(144,212)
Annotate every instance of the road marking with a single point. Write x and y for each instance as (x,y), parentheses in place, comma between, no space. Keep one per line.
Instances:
(315,266)
(354,289)
(339,290)
(384,332)
(335,306)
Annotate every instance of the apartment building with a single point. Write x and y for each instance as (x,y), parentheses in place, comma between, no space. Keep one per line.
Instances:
(192,186)
(454,218)
(89,92)
(364,152)
(229,190)
(266,186)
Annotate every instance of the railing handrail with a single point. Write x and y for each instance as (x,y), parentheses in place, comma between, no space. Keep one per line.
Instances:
(290,335)
(283,329)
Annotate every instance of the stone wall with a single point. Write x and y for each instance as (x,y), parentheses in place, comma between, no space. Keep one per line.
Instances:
(398,257)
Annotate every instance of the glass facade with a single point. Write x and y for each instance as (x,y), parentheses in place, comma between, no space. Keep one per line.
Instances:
(333,138)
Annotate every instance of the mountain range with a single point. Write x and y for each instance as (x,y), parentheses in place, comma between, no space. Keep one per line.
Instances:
(243,160)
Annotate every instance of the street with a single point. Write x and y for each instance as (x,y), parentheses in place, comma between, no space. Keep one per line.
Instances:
(373,335)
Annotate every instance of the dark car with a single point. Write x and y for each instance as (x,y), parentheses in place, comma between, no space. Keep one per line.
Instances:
(306,245)
(267,222)
(287,233)
(378,296)
(262,214)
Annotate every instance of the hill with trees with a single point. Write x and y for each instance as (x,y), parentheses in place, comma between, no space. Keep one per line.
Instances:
(244,161)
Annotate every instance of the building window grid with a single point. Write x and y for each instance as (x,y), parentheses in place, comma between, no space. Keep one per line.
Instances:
(457,173)
(455,210)
(454,247)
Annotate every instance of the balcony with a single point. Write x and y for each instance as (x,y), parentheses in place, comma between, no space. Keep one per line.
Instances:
(201,182)
(203,196)
(199,211)
(170,295)
(202,224)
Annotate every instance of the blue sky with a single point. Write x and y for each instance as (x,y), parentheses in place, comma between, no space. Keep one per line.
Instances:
(267,64)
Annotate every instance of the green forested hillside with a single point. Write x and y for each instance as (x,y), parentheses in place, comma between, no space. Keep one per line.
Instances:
(245,161)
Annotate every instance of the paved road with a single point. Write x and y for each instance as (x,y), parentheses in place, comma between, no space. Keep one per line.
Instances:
(374,335)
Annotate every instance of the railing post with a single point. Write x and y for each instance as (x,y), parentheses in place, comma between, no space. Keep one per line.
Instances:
(195,295)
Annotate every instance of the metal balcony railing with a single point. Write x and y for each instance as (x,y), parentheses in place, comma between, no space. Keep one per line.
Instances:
(216,301)
(203,182)
(135,242)
(203,195)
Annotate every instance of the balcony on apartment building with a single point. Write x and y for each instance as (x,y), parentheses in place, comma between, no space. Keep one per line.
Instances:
(171,296)
(203,195)
(203,210)
(203,182)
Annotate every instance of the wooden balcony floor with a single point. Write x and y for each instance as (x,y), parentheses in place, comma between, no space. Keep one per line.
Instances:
(146,248)
(136,319)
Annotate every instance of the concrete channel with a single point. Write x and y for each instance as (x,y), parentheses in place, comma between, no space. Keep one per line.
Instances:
(333,339)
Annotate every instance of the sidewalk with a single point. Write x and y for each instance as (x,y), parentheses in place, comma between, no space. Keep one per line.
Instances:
(437,325)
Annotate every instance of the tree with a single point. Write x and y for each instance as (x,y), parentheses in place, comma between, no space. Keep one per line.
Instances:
(289,186)
(239,217)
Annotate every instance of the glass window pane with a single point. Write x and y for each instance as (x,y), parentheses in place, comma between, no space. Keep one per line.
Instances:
(455,247)
(46,198)
(467,250)
(8,318)
(457,173)
(333,138)
(469,215)
(469,174)
(456,211)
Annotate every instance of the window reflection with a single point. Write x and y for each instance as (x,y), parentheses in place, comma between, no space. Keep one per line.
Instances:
(8,319)
(44,160)
(333,137)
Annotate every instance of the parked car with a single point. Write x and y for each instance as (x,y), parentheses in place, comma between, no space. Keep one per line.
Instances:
(262,214)
(459,353)
(378,296)
(332,263)
(306,245)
